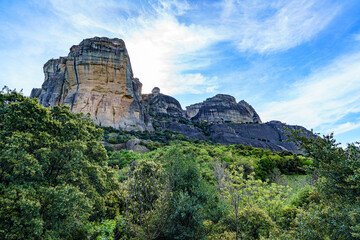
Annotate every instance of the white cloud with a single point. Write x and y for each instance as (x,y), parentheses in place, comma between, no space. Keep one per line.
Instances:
(162,49)
(323,98)
(270,26)
(160,54)
(345,127)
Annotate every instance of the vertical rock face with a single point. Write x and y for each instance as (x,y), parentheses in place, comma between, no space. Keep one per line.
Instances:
(51,92)
(223,108)
(96,78)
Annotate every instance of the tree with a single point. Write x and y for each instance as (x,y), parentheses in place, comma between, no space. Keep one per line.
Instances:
(337,212)
(147,192)
(253,205)
(193,201)
(53,170)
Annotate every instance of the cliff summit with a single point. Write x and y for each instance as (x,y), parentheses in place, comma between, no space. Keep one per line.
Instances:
(223,108)
(96,77)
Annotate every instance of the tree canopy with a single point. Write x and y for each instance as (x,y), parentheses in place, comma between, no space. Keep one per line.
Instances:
(57,181)
(53,170)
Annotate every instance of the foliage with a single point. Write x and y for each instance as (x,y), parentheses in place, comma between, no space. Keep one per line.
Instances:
(193,201)
(103,230)
(335,214)
(53,170)
(147,191)
(122,158)
(252,202)
(57,181)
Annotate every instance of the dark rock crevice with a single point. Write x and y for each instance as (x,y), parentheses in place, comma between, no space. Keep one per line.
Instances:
(78,84)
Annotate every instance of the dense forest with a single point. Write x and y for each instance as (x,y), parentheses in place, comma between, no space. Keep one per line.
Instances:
(59,181)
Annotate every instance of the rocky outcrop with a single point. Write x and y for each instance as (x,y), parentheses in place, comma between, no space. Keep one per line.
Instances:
(96,77)
(223,108)
(186,130)
(270,135)
(158,103)
(51,91)
(135,145)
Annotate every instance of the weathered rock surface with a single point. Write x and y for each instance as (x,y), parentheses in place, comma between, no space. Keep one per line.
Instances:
(186,130)
(222,108)
(51,91)
(158,103)
(96,78)
(134,145)
(117,147)
(270,135)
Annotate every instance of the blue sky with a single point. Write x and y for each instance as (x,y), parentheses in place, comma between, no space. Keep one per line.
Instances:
(297,61)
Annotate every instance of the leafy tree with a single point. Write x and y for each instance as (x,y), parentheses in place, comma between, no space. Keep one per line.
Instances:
(336,215)
(147,193)
(193,201)
(250,201)
(53,170)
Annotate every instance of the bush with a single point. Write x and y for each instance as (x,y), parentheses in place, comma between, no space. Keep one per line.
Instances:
(253,223)
(122,158)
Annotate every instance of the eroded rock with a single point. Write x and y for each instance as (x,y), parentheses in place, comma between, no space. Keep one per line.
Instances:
(158,103)
(96,77)
(223,108)
(134,145)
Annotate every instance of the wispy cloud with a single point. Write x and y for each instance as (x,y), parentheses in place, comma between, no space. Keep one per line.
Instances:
(345,127)
(161,48)
(322,99)
(270,26)
(160,55)
(357,37)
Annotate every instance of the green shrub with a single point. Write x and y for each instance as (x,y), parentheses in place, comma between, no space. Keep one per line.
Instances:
(302,197)
(122,158)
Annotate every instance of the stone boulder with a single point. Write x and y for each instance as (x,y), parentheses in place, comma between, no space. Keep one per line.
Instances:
(134,145)
(51,91)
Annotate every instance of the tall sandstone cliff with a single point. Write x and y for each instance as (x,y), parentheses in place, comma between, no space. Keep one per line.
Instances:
(96,77)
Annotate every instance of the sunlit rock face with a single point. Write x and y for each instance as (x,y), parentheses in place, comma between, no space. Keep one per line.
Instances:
(96,78)
(223,108)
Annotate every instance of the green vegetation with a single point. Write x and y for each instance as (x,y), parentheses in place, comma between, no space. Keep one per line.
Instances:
(54,175)
(57,181)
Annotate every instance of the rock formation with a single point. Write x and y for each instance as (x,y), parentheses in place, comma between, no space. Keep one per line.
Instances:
(51,92)
(222,108)
(135,145)
(158,103)
(270,135)
(96,77)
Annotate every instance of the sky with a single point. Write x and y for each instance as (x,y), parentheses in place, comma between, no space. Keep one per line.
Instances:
(297,61)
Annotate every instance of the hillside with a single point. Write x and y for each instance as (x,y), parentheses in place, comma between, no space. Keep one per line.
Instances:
(57,181)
